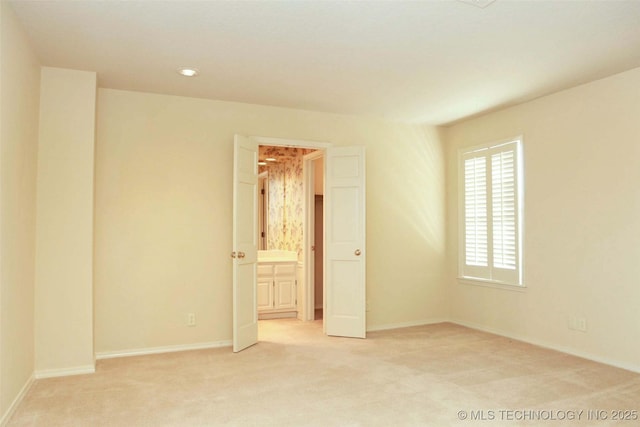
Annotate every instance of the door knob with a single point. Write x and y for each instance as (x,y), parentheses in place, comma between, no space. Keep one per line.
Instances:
(357,252)
(240,254)
(233,254)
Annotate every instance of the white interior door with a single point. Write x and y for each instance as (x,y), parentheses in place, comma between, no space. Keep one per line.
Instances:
(345,242)
(245,242)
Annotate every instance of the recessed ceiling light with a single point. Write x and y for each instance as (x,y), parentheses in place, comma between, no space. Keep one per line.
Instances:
(262,163)
(478,3)
(270,159)
(188,72)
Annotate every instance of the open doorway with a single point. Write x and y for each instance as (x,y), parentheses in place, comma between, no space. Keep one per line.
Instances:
(314,165)
(344,240)
(290,233)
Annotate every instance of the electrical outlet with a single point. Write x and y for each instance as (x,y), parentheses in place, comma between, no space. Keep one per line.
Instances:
(191,319)
(578,324)
(581,324)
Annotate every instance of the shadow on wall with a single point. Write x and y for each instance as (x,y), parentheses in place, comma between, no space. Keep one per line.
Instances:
(416,179)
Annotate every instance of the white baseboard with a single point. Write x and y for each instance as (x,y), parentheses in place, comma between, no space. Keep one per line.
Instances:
(405,324)
(611,362)
(64,372)
(14,405)
(165,349)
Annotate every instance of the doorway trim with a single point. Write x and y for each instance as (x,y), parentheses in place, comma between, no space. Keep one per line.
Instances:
(308,169)
(307,296)
(263,211)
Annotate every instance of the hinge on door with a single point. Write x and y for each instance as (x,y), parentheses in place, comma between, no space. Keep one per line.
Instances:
(262,191)
(262,234)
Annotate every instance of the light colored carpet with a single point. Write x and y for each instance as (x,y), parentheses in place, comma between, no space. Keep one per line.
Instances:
(296,376)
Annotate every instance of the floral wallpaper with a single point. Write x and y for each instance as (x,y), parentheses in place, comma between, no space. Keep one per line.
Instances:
(286,198)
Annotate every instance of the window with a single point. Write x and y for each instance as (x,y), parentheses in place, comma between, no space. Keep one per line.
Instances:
(491,213)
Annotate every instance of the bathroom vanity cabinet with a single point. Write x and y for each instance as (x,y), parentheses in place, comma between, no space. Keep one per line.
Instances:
(276,286)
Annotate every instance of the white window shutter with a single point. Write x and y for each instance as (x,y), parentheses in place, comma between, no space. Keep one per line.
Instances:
(490,220)
(504,215)
(476,217)
(475,211)
(503,192)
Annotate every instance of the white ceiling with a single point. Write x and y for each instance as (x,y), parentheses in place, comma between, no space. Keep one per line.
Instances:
(431,62)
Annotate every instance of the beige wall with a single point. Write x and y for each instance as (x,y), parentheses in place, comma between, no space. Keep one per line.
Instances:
(19,86)
(163,214)
(64,224)
(582,221)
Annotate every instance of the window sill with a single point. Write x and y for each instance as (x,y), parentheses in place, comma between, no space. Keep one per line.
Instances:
(472,281)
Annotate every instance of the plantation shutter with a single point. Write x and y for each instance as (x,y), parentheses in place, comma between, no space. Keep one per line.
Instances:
(491,214)
(504,214)
(476,244)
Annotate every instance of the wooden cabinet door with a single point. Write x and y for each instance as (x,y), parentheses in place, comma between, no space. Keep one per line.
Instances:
(265,293)
(285,279)
(285,293)
(265,287)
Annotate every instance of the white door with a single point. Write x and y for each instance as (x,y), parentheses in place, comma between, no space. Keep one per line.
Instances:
(245,242)
(345,242)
